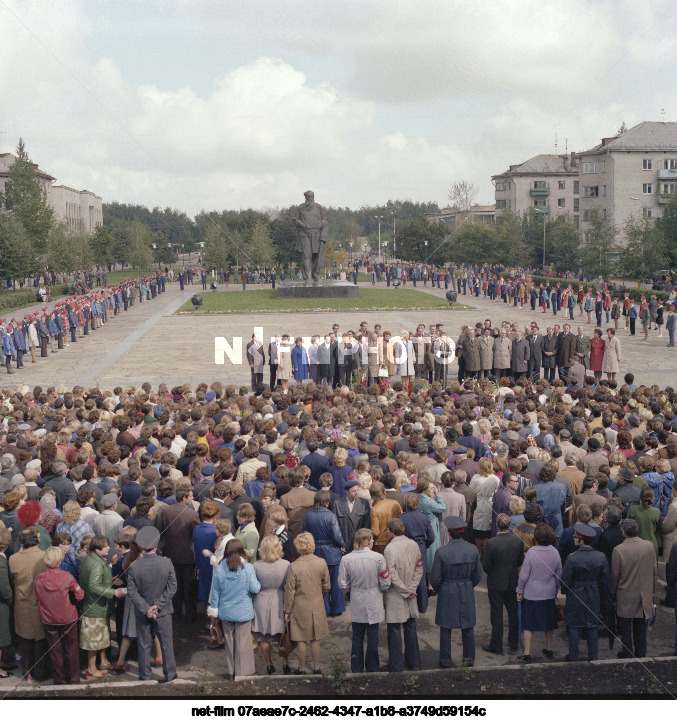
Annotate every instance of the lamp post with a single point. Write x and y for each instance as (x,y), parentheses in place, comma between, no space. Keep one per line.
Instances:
(385,250)
(351,252)
(425,242)
(392,212)
(379,218)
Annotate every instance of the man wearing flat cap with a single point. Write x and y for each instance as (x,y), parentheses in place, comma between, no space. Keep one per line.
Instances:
(151,586)
(457,569)
(311,220)
(585,581)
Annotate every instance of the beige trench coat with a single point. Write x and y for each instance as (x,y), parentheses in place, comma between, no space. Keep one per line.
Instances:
(612,355)
(502,353)
(633,577)
(307,583)
(24,568)
(404,564)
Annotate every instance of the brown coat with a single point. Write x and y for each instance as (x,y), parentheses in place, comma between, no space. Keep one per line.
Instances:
(381,513)
(633,577)
(307,583)
(297,503)
(24,568)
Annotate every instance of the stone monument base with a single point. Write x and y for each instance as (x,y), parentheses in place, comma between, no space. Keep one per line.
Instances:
(318,289)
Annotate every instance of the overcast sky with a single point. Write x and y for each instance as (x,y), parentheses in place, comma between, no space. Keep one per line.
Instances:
(206,104)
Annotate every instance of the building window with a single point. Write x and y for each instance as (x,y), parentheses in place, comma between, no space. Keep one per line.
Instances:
(501,203)
(669,188)
(539,184)
(540,203)
(561,202)
(586,215)
(576,183)
(646,212)
(501,186)
(590,167)
(670,164)
(591,191)
(576,204)
(561,184)
(577,220)
(647,164)
(647,188)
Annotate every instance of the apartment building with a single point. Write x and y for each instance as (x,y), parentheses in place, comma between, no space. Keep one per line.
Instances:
(547,183)
(452,219)
(632,173)
(77,208)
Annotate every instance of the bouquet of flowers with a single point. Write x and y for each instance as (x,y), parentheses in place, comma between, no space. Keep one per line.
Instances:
(420,385)
(332,437)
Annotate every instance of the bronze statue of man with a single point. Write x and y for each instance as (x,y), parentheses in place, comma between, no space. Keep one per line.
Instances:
(311,220)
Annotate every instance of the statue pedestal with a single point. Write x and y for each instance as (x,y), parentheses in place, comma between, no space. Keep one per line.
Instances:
(318,289)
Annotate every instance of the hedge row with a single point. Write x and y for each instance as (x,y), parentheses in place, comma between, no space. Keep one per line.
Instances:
(25,297)
(635,293)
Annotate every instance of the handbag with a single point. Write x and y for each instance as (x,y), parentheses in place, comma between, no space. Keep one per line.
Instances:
(559,609)
(285,645)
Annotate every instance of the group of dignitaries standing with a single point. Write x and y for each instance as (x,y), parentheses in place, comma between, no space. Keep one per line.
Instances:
(377,356)
(76,314)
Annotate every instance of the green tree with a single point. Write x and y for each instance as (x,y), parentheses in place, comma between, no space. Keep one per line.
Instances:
(472,241)
(412,237)
(261,249)
(667,227)
(462,195)
(140,251)
(598,246)
(17,254)
(102,243)
(26,199)
(563,244)
(61,255)
(511,250)
(217,254)
(644,251)
(163,252)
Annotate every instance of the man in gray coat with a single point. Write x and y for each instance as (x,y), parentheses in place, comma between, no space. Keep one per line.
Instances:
(151,585)
(405,566)
(457,569)
(520,356)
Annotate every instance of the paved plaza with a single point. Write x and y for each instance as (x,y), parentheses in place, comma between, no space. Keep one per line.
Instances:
(150,343)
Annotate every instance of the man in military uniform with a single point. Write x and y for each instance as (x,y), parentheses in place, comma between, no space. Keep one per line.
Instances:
(151,587)
(585,581)
(457,569)
(311,220)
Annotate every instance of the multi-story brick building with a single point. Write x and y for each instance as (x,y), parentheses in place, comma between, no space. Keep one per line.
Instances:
(547,183)
(632,173)
(77,208)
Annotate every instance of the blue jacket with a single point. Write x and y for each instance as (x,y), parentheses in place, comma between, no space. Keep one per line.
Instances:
(232,592)
(553,495)
(323,525)
(19,340)
(8,344)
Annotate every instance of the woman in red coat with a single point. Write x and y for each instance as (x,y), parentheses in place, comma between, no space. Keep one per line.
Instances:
(597,354)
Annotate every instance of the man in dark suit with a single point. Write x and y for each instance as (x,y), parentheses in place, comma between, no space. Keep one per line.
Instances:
(151,584)
(566,349)
(176,524)
(503,555)
(352,513)
(317,463)
(63,487)
(273,356)
(535,340)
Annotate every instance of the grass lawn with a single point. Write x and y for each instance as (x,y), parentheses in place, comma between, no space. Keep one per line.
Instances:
(268,301)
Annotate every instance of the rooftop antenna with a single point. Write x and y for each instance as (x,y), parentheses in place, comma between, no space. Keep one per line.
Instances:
(662,114)
(566,146)
(555,143)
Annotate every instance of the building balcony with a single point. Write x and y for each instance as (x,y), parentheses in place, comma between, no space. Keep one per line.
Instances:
(667,174)
(539,192)
(664,197)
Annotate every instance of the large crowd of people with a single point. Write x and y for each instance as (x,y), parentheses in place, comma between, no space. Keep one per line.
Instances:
(261,513)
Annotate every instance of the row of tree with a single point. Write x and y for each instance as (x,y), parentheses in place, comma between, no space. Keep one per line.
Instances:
(133,235)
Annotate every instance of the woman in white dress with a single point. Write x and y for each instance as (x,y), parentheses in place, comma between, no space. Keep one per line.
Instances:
(404,354)
(284,368)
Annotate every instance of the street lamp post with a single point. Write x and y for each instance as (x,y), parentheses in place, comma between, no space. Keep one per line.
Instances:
(351,253)
(392,212)
(380,218)
(385,250)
